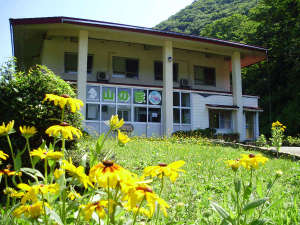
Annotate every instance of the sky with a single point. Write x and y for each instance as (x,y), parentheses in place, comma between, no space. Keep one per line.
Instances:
(146,13)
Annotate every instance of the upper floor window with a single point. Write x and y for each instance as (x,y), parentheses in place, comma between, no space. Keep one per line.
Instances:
(125,67)
(204,75)
(220,119)
(158,71)
(71,62)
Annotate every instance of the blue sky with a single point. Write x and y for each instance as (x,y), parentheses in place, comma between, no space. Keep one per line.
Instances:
(145,13)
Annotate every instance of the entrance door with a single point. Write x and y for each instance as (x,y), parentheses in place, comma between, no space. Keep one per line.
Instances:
(249,125)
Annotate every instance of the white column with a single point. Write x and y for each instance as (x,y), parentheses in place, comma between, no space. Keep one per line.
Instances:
(237,94)
(167,88)
(82,67)
(256,125)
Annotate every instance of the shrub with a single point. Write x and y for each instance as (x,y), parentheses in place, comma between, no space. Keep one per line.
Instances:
(21,97)
(208,132)
(292,141)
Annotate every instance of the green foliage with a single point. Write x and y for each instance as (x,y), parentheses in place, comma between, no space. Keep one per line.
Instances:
(292,141)
(208,132)
(261,141)
(21,97)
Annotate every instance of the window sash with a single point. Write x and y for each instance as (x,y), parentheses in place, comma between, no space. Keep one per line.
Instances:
(128,67)
(204,75)
(71,62)
(158,71)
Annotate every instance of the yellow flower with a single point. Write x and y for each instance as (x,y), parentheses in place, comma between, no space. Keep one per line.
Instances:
(163,169)
(233,164)
(77,172)
(13,193)
(9,172)
(58,173)
(115,123)
(123,138)
(64,100)
(108,173)
(64,130)
(30,211)
(27,132)
(73,194)
(3,155)
(31,192)
(5,130)
(252,161)
(278,125)
(144,192)
(98,207)
(44,154)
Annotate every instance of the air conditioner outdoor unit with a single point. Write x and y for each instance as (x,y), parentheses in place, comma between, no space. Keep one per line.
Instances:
(101,76)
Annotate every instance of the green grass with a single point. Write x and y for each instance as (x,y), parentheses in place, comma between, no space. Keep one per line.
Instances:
(190,196)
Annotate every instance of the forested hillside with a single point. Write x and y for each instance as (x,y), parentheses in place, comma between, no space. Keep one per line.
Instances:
(201,13)
(273,24)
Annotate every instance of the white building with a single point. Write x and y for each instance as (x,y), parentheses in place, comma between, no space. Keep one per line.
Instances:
(158,81)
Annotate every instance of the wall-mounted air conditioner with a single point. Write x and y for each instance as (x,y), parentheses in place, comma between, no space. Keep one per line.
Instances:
(101,76)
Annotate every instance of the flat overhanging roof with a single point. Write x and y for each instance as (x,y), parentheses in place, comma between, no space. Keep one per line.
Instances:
(250,54)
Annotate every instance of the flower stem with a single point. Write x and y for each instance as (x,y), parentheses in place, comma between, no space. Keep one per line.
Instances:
(46,172)
(28,148)
(161,189)
(11,150)
(135,216)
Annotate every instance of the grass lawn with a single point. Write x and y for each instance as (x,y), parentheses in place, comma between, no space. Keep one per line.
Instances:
(208,179)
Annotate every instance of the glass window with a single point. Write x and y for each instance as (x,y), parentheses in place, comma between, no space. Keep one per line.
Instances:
(125,67)
(154,115)
(154,97)
(92,112)
(140,96)
(124,111)
(158,71)
(220,119)
(107,111)
(140,114)
(93,94)
(124,95)
(71,60)
(185,99)
(204,75)
(176,115)
(176,99)
(186,116)
(108,94)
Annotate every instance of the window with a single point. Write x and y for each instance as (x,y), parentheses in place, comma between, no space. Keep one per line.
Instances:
(220,119)
(140,114)
(92,112)
(204,75)
(181,108)
(158,71)
(71,62)
(154,115)
(124,111)
(125,67)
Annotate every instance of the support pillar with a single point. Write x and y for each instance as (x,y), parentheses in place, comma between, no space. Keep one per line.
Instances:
(82,67)
(167,88)
(237,94)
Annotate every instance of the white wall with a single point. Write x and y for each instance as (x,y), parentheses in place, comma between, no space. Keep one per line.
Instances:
(102,51)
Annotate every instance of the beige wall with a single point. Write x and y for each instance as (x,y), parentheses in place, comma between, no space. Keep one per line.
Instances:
(53,56)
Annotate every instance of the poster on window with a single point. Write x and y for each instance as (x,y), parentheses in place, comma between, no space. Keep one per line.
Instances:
(108,94)
(154,97)
(93,94)
(124,95)
(140,96)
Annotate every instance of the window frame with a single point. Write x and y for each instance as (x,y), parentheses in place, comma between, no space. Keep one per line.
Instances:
(205,81)
(181,108)
(160,76)
(90,61)
(218,112)
(125,74)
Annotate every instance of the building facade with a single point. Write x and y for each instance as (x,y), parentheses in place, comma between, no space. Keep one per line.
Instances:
(159,82)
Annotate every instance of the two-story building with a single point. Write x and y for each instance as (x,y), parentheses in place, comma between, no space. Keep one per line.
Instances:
(158,81)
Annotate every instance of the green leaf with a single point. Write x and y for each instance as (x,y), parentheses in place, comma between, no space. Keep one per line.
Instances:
(53,215)
(99,144)
(259,188)
(32,172)
(237,185)
(18,161)
(247,192)
(224,222)
(254,204)
(221,211)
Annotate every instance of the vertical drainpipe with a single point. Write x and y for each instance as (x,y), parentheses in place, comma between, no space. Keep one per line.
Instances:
(12,39)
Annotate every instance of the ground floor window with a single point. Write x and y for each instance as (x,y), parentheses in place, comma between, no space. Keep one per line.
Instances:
(181,108)
(220,119)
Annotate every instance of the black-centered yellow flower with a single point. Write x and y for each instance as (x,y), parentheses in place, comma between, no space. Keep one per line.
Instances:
(64,130)
(108,173)
(9,172)
(64,100)
(30,211)
(44,154)
(252,161)
(98,207)
(163,169)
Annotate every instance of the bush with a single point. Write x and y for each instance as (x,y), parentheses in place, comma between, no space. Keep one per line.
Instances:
(230,137)
(208,133)
(292,141)
(21,97)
